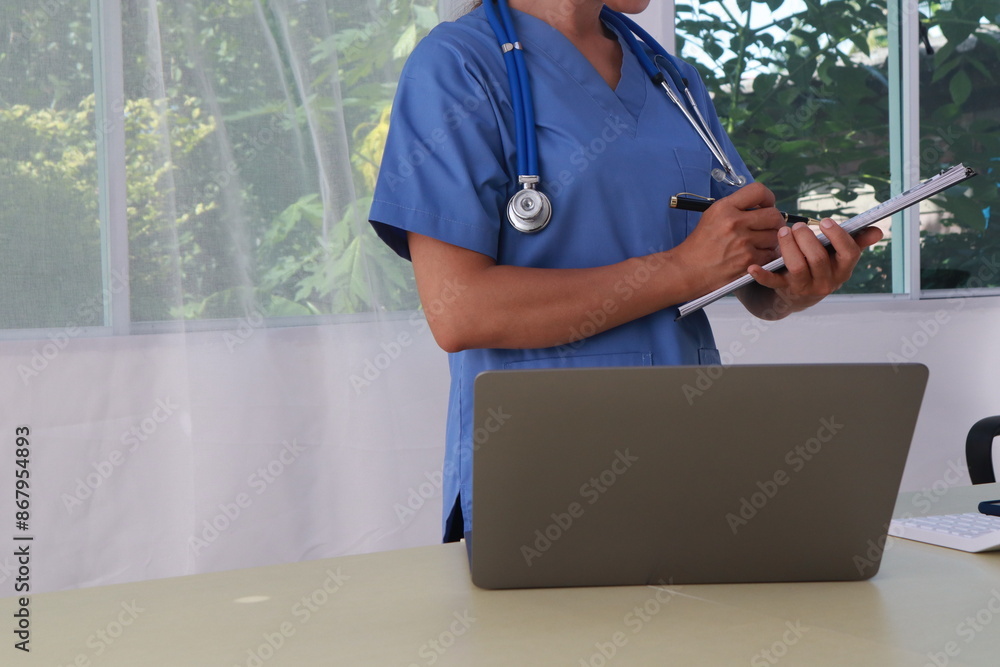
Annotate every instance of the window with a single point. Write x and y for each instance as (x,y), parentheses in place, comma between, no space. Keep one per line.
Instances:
(219,163)
(806,90)
(182,162)
(959,121)
(50,250)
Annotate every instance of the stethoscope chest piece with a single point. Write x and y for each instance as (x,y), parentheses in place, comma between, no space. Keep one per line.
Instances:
(529,210)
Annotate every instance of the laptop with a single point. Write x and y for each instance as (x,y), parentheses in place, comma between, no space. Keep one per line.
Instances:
(687,474)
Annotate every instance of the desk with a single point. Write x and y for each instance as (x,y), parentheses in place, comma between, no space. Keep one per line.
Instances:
(418,607)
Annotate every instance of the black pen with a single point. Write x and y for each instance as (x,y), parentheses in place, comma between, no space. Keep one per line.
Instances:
(686,201)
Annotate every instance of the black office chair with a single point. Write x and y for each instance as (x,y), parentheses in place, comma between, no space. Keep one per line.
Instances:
(979,450)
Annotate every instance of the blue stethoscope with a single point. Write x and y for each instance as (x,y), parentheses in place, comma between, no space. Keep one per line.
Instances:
(530,210)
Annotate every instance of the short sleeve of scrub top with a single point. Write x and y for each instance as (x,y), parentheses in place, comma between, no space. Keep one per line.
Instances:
(610,159)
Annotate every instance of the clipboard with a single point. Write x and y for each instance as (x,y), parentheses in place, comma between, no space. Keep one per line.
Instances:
(914,195)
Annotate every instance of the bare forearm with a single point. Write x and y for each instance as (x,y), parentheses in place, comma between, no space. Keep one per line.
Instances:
(529,308)
(478,304)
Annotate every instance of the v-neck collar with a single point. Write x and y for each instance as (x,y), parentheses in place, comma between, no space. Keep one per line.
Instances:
(624,102)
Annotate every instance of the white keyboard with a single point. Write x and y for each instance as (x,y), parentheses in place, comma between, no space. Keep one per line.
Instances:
(974,532)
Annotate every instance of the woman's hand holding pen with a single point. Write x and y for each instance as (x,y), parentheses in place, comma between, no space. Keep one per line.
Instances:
(742,232)
(733,233)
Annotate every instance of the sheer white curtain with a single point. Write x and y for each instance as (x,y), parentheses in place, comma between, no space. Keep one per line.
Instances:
(218,364)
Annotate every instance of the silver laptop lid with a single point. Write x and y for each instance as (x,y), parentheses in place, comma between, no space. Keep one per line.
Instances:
(710,474)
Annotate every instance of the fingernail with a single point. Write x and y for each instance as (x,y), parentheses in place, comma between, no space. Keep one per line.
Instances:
(826,223)
(784,231)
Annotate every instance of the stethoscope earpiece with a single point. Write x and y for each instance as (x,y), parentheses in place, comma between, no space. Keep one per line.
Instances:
(739,180)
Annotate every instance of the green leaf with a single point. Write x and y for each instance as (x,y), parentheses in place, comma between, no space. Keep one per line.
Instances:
(764,83)
(956,31)
(861,42)
(960,87)
(982,69)
(941,70)
(405,43)
(967,212)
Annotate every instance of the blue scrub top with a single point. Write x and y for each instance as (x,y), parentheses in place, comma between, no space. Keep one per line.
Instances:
(609,161)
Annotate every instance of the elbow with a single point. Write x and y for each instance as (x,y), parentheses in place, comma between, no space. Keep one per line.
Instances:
(453,349)
(450,336)
(450,344)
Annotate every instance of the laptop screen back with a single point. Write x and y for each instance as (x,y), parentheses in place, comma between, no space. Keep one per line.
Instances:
(619,476)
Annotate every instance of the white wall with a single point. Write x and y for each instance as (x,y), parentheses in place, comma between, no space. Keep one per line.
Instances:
(955,338)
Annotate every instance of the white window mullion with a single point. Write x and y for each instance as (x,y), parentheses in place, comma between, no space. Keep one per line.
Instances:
(911,136)
(109,90)
(904,124)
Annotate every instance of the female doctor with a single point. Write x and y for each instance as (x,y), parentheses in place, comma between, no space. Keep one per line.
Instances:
(599,284)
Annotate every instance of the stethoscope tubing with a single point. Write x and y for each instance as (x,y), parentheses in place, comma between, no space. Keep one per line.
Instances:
(531,139)
(628,29)
(520,86)
(522,101)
